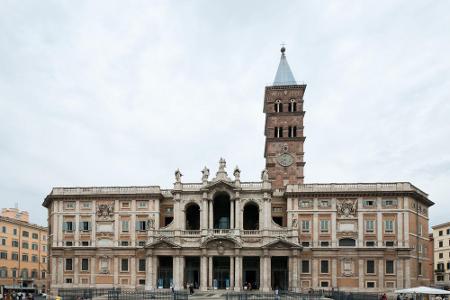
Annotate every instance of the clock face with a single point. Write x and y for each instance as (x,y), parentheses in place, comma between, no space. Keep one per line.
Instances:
(285,159)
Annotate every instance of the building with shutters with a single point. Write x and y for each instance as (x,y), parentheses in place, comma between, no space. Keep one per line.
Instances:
(224,233)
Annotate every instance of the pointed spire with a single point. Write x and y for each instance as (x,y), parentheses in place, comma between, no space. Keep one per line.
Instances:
(284,74)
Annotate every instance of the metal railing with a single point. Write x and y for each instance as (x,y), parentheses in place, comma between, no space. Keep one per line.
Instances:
(142,294)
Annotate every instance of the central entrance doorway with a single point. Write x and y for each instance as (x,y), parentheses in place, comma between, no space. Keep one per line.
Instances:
(280,273)
(250,272)
(221,272)
(165,272)
(192,271)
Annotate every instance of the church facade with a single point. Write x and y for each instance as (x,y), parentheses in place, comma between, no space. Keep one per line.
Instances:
(221,233)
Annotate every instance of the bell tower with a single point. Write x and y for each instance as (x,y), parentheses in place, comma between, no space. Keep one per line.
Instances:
(283,106)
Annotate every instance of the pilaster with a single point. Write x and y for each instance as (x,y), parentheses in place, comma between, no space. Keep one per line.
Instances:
(93,269)
(237,272)
(204,273)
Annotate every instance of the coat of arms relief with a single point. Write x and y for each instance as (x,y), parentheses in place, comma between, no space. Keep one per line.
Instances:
(347,208)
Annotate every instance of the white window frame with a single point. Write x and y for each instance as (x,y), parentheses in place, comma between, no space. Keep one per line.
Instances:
(306,226)
(369,229)
(323,228)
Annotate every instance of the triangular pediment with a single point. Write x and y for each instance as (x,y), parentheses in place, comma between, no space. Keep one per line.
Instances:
(163,243)
(221,183)
(281,244)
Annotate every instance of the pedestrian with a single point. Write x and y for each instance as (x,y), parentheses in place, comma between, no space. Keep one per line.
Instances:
(384,297)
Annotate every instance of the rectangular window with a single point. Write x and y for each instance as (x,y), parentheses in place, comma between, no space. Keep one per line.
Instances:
(124,243)
(448,231)
(324,244)
(69,243)
(305,226)
(370,284)
(15,231)
(85,204)
(124,265)
(125,226)
(70,205)
(141,225)
(25,245)
(3,255)
(141,281)
(34,246)
(420,230)
(68,226)
(370,243)
(15,256)
(389,202)
(305,266)
(441,232)
(389,267)
(324,284)
(85,243)
(324,203)
(35,236)
(3,229)
(388,226)
(441,244)
(142,204)
(141,265)
(141,243)
(68,264)
(305,203)
(370,267)
(24,257)
(369,203)
(125,204)
(85,226)
(25,234)
(15,243)
(324,266)
(324,226)
(3,242)
(85,264)
(34,258)
(68,280)
(306,244)
(419,269)
(370,226)
(441,255)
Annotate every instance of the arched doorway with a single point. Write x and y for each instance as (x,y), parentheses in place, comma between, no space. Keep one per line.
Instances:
(192,217)
(221,211)
(251,216)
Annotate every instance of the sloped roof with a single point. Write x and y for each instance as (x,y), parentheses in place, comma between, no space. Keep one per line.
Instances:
(284,74)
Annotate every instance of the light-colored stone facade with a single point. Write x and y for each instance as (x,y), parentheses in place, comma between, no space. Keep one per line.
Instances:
(441,239)
(223,233)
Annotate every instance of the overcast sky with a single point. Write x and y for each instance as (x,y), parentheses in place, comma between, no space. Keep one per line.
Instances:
(122,93)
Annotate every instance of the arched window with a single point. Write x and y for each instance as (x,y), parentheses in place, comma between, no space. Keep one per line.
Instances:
(24,274)
(3,272)
(292,131)
(251,216)
(192,217)
(221,211)
(347,242)
(292,106)
(278,133)
(278,106)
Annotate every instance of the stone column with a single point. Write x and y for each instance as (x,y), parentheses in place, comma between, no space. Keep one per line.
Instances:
(149,279)
(406,228)
(93,266)
(381,274)
(133,271)
(133,223)
(400,240)
(237,209)
(116,223)
(293,264)
(408,273)
(231,272)
(93,226)
(77,224)
(157,215)
(204,221)
(315,273)
(237,273)
(60,228)
(211,214)
(76,270)
(178,270)
(379,223)
(116,270)
(361,273)
(231,214)
(267,273)
(204,273)
(334,273)
(60,270)
(262,273)
(210,271)
(315,229)
(154,271)
(54,268)
(399,272)
(360,241)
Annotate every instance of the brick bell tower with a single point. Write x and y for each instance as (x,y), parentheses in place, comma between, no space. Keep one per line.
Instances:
(283,106)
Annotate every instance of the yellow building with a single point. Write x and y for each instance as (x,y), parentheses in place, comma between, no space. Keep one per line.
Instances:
(23,251)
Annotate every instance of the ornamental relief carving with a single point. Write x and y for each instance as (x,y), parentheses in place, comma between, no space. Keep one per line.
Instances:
(105,211)
(347,267)
(347,208)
